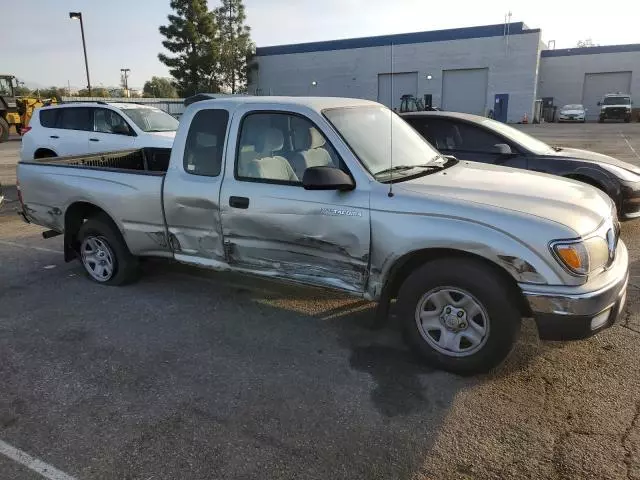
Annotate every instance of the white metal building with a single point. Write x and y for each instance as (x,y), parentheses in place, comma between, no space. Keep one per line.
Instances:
(585,75)
(500,68)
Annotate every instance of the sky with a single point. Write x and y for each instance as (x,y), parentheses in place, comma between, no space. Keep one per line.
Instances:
(43,47)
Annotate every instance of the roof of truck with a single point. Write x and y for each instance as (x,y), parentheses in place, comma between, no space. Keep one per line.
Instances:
(316,103)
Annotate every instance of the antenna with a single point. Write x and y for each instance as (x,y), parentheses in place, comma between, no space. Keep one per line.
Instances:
(390,194)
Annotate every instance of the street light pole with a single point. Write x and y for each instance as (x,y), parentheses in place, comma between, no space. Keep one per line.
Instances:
(78,15)
(125,72)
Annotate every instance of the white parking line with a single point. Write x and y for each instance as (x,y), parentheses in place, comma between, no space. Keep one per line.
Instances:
(632,149)
(47,471)
(20,245)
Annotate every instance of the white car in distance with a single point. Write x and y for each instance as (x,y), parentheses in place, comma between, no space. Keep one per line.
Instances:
(572,113)
(92,127)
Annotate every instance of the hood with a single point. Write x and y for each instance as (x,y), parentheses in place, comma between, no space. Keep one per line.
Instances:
(170,135)
(571,112)
(578,206)
(596,157)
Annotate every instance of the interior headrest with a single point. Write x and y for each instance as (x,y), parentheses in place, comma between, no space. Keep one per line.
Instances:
(301,138)
(317,140)
(270,141)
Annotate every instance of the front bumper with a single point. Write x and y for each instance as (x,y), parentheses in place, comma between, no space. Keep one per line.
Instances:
(571,313)
(571,118)
(630,206)
(615,114)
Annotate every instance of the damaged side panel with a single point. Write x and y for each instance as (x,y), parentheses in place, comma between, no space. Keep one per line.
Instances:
(192,213)
(315,237)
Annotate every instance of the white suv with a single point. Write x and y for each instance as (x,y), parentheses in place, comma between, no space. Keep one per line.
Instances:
(81,128)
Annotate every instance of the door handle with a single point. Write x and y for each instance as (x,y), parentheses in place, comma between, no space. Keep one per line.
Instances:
(94,139)
(54,136)
(239,202)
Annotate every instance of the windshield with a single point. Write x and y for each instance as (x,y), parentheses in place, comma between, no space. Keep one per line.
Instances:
(151,119)
(617,101)
(573,107)
(367,131)
(5,87)
(527,141)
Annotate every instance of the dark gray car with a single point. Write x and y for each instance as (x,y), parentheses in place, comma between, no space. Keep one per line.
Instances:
(480,139)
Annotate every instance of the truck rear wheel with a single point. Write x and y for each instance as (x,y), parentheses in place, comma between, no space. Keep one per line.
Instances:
(104,254)
(4,130)
(459,315)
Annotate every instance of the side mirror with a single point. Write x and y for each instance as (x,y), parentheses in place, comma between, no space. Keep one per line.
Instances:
(502,149)
(327,178)
(120,129)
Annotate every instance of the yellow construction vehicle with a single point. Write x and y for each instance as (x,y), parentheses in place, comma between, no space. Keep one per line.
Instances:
(16,111)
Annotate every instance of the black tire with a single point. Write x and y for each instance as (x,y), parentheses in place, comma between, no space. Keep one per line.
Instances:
(627,119)
(487,288)
(4,130)
(600,120)
(125,266)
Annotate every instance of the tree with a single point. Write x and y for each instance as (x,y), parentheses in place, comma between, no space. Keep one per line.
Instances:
(236,48)
(22,91)
(51,92)
(95,92)
(586,43)
(160,87)
(191,36)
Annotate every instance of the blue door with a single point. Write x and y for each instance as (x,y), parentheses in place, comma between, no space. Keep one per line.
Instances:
(500,107)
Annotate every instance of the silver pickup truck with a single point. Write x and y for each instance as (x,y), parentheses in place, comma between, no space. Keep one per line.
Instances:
(343,194)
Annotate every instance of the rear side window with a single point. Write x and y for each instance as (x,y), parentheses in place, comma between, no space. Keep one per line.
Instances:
(78,118)
(205,143)
(49,117)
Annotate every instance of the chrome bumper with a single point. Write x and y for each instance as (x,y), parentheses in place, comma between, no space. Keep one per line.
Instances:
(579,312)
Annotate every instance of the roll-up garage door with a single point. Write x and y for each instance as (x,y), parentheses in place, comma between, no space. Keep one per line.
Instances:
(403,84)
(465,90)
(597,85)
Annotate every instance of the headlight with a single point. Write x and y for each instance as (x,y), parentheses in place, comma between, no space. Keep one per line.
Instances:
(572,255)
(621,173)
(584,256)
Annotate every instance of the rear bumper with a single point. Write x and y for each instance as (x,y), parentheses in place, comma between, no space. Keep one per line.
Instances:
(567,315)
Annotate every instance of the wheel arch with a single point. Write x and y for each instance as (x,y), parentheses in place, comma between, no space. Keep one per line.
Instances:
(44,152)
(405,265)
(599,180)
(75,215)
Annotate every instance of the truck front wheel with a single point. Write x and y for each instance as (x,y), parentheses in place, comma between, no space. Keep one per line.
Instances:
(104,254)
(459,315)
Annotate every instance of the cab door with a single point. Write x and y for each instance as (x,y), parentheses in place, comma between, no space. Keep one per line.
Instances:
(271,225)
(192,189)
(110,132)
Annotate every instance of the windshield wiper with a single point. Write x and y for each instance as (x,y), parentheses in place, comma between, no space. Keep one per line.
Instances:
(557,149)
(438,160)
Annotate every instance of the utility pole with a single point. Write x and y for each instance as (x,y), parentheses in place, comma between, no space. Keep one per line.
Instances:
(125,72)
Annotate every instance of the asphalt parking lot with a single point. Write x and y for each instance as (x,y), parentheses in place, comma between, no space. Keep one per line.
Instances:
(196,375)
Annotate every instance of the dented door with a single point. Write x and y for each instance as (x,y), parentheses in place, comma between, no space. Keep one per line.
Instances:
(192,189)
(315,237)
(271,225)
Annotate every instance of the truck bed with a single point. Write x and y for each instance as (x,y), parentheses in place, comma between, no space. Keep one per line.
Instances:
(149,159)
(127,185)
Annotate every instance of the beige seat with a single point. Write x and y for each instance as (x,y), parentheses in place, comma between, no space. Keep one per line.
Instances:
(267,165)
(310,152)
